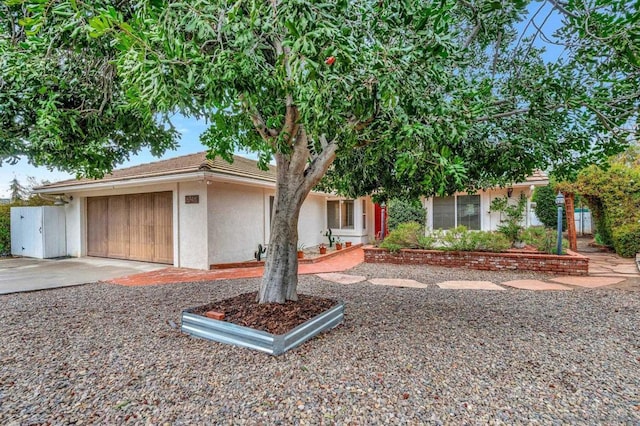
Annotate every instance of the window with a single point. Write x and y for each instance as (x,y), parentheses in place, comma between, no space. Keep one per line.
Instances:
(449,212)
(340,214)
(364,214)
(272,200)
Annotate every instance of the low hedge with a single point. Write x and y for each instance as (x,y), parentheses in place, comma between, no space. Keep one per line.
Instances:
(626,239)
(5,230)
(412,235)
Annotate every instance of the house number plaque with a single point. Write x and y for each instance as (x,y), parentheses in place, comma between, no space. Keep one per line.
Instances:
(191,199)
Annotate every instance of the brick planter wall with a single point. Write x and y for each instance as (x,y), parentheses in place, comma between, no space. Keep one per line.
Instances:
(570,264)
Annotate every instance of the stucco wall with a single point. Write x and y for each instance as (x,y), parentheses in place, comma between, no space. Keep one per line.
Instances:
(312,220)
(75,227)
(192,243)
(235,221)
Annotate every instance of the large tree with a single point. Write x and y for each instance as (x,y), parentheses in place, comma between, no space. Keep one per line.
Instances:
(412,97)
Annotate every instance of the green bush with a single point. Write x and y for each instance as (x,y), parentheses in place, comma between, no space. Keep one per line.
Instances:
(511,216)
(626,239)
(546,208)
(411,235)
(406,235)
(490,241)
(543,239)
(403,211)
(613,194)
(5,230)
(457,239)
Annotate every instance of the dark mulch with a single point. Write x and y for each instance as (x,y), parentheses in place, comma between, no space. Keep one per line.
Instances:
(273,318)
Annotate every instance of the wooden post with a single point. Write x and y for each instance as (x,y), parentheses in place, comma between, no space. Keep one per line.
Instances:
(569,198)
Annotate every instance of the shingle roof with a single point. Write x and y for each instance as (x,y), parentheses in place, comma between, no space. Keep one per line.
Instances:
(537,176)
(241,167)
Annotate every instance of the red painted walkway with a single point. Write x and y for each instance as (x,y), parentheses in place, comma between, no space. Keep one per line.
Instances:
(338,263)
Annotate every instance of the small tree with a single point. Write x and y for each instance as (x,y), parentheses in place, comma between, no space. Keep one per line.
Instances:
(402,211)
(511,215)
(17,192)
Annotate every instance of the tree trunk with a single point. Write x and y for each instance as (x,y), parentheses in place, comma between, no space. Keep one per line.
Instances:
(296,176)
(571,220)
(280,279)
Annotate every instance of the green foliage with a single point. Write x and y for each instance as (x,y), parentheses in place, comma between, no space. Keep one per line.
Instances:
(613,195)
(546,208)
(5,230)
(489,241)
(423,105)
(543,239)
(17,192)
(62,101)
(406,235)
(457,239)
(511,216)
(626,239)
(401,211)
(411,235)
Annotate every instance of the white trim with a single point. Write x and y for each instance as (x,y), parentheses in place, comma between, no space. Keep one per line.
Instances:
(154,180)
(176,225)
(76,187)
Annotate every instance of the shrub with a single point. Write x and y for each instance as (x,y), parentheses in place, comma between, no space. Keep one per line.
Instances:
(403,211)
(511,216)
(457,239)
(544,240)
(490,241)
(546,208)
(406,235)
(429,241)
(5,230)
(626,239)
(613,194)
(411,235)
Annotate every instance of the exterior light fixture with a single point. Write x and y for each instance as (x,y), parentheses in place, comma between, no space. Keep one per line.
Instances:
(559,203)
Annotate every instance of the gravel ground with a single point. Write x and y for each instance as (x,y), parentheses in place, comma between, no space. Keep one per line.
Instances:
(108,354)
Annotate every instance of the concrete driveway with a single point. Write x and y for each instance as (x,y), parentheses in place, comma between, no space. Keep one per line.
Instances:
(26,274)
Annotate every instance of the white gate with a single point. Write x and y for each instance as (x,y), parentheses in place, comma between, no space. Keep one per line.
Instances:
(38,232)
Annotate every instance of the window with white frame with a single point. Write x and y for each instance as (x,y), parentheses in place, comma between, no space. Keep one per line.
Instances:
(364,214)
(340,214)
(449,212)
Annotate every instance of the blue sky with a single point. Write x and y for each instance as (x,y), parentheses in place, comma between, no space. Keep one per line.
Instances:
(190,129)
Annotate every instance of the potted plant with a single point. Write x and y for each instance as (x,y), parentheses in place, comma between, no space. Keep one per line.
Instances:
(323,248)
(347,244)
(300,251)
(338,243)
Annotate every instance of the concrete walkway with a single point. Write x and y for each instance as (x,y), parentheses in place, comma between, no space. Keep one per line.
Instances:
(178,275)
(22,274)
(27,274)
(608,269)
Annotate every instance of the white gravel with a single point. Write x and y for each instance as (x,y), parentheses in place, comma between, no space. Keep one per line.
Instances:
(109,355)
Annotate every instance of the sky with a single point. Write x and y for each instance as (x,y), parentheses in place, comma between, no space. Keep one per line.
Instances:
(190,128)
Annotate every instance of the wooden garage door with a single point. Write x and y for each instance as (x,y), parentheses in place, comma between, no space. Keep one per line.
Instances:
(135,227)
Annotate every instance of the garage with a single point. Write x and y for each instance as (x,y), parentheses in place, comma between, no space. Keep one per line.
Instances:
(134,227)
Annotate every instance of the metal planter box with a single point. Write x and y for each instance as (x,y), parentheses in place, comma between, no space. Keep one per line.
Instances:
(232,334)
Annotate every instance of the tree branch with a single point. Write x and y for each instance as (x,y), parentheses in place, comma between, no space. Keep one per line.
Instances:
(319,166)
(561,8)
(472,36)
(502,115)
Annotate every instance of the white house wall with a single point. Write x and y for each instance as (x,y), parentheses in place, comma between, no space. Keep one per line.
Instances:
(313,216)
(190,237)
(236,222)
